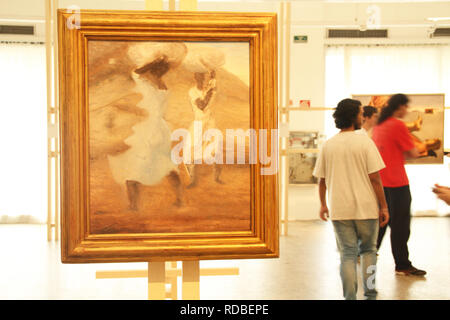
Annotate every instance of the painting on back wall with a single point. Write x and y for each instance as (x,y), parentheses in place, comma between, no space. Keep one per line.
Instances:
(303,150)
(301,167)
(425,122)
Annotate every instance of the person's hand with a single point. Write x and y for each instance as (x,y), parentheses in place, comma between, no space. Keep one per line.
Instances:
(324,214)
(135,75)
(442,193)
(384,217)
(441,187)
(211,85)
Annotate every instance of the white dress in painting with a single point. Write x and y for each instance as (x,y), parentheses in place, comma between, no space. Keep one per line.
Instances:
(148,159)
(206,118)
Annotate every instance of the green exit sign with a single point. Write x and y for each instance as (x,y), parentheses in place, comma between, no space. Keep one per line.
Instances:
(300,39)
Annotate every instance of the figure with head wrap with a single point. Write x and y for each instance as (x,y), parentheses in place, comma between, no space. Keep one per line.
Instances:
(203,62)
(148,160)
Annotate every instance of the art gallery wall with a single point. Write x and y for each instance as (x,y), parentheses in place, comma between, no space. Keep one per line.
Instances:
(406,22)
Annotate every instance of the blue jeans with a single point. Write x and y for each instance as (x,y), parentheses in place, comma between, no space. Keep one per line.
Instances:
(355,236)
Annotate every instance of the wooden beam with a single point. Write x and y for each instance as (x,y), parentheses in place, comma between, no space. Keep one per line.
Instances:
(117,274)
(55,5)
(48,51)
(287,102)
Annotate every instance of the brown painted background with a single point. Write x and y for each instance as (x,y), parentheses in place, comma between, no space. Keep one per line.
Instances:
(112,113)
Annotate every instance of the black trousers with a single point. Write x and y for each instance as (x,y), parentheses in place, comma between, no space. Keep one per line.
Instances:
(399,204)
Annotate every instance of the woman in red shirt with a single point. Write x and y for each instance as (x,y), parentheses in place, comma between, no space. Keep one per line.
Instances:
(394,142)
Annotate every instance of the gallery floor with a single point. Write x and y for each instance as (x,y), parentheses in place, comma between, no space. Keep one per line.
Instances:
(30,268)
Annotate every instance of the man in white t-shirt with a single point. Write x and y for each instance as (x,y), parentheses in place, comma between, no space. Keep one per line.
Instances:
(348,166)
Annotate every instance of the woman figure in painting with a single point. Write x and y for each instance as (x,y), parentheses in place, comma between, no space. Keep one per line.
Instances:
(148,161)
(203,62)
(426,148)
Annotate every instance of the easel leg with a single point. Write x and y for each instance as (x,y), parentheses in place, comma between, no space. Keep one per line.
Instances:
(173,281)
(191,280)
(156,281)
(48,49)
(49,192)
(56,194)
(174,288)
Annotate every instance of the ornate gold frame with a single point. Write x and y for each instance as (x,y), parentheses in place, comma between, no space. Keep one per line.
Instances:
(78,245)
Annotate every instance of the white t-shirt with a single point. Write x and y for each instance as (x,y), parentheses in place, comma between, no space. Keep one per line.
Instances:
(362,131)
(345,161)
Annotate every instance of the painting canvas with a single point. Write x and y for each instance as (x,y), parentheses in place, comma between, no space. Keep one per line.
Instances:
(425,121)
(301,167)
(304,139)
(134,185)
(168,125)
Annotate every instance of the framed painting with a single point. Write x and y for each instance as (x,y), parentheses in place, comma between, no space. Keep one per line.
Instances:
(304,139)
(303,151)
(425,121)
(301,167)
(169,136)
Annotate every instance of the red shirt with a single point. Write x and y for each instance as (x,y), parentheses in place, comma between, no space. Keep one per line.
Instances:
(393,139)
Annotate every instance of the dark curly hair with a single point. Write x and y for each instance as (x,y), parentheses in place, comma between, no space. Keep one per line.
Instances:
(369,111)
(346,113)
(394,102)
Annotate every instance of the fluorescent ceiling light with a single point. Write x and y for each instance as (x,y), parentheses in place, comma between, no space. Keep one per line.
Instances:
(438,19)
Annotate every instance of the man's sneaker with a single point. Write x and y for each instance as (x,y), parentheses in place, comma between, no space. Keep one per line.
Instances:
(411,271)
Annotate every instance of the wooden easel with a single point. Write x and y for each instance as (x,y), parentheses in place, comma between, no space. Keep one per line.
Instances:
(284,80)
(161,273)
(52,119)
